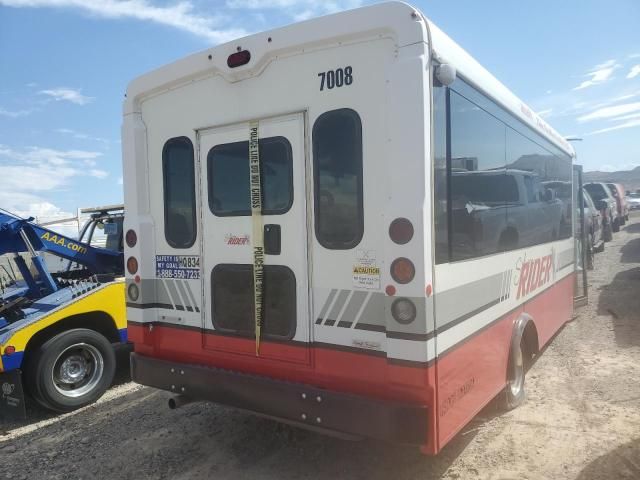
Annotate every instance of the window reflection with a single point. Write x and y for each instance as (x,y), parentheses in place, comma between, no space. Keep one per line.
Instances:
(480,188)
(502,187)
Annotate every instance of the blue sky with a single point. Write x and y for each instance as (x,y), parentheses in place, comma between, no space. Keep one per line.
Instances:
(65,64)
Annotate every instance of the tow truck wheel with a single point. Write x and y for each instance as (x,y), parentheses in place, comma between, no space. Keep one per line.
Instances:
(71,370)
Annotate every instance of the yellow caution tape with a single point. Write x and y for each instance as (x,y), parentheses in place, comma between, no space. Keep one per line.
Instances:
(255,188)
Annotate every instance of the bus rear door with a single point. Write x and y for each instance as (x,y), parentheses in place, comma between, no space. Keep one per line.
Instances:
(228,241)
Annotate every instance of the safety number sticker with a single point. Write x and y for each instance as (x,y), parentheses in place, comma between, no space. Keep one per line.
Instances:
(178,266)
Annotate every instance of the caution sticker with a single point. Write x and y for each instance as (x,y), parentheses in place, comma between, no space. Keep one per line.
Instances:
(365,271)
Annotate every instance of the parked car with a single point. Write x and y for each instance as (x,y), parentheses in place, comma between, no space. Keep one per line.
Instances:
(606,203)
(633,201)
(621,203)
(593,228)
(503,210)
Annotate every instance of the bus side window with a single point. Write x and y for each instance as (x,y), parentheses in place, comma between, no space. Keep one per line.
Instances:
(179,192)
(337,169)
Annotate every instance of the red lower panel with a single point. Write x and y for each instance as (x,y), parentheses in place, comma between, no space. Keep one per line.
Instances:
(468,376)
(473,373)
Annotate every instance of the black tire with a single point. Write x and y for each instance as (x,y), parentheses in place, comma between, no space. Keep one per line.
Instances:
(514,393)
(607,233)
(616,225)
(623,220)
(79,354)
(626,217)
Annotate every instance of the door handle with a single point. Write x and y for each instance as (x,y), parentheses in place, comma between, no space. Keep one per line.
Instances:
(272,242)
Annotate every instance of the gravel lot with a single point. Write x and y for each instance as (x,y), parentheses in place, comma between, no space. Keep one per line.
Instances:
(581,420)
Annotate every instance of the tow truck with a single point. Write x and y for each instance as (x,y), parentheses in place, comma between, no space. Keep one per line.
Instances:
(57,328)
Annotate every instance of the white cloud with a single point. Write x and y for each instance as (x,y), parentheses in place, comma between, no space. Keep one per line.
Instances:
(29,175)
(80,135)
(120,181)
(626,117)
(545,113)
(98,173)
(610,112)
(629,124)
(599,74)
(67,94)
(180,15)
(297,9)
(29,205)
(14,113)
(634,72)
(37,169)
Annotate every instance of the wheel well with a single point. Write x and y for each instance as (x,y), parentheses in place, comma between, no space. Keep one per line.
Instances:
(99,321)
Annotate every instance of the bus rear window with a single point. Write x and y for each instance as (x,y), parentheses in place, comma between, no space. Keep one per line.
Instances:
(179,192)
(228,177)
(337,165)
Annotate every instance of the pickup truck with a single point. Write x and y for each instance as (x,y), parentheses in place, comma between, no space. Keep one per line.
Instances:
(497,210)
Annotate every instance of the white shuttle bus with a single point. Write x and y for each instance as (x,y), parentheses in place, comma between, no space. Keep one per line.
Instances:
(346,224)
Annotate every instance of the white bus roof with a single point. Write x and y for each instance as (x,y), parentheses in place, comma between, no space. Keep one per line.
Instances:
(388,18)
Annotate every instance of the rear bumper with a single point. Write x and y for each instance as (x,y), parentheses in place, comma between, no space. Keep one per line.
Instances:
(295,403)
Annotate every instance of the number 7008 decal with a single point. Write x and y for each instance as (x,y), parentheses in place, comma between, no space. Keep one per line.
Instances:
(336,78)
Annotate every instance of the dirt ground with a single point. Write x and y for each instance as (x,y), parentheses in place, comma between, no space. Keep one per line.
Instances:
(581,419)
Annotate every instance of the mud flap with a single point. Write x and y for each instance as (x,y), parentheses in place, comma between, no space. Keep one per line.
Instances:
(12,406)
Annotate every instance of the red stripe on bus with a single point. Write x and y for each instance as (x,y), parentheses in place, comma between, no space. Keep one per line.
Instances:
(469,375)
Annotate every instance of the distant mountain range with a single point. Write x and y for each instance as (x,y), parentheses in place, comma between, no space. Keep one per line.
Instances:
(630,179)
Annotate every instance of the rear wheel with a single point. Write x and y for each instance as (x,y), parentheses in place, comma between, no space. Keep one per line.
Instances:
(71,370)
(514,394)
(623,220)
(607,233)
(616,225)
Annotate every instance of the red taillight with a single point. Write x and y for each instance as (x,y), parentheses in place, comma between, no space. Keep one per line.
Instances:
(132,265)
(401,231)
(9,349)
(239,58)
(402,270)
(131,238)
(390,290)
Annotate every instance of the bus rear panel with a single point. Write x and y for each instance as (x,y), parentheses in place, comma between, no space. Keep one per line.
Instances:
(295,171)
